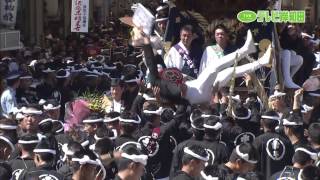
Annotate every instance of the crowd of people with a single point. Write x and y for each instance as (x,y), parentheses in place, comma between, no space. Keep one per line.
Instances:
(113,104)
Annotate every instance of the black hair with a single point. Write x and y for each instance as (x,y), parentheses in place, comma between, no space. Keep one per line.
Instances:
(196,118)
(310,172)
(244,148)
(297,130)
(8,122)
(4,144)
(301,158)
(314,133)
(197,149)
(150,106)
(198,134)
(270,123)
(113,114)
(212,134)
(167,115)
(128,128)
(104,146)
(60,83)
(57,126)
(75,166)
(95,116)
(11,133)
(196,113)
(123,163)
(28,147)
(211,29)
(211,170)
(47,157)
(11,82)
(75,147)
(223,27)
(46,127)
(187,27)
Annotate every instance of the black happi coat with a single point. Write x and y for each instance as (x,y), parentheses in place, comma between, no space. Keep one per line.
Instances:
(269,164)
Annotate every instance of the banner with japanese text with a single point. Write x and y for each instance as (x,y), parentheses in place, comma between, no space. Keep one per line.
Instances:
(8,12)
(80,16)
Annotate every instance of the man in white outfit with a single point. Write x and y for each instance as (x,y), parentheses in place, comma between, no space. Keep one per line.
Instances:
(179,55)
(214,52)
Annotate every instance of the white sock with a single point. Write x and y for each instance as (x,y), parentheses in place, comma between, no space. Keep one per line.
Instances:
(265,59)
(248,47)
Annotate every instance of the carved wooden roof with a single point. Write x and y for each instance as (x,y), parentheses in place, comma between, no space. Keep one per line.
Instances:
(212,9)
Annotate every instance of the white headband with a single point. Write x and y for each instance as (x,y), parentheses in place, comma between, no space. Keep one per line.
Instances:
(111,119)
(242,118)
(92,75)
(45,120)
(66,150)
(271,117)
(138,145)
(110,67)
(210,115)
(288,123)
(85,160)
(85,143)
(148,98)
(42,102)
(313,155)
(28,142)
(244,156)
(51,107)
(8,127)
(97,138)
(131,120)
(115,134)
(26,77)
(132,80)
(156,112)
(92,120)
(51,151)
(48,70)
(217,126)
(8,141)
(162,7)
(161,19)
(277,94)
(188,151)
(193,119)
(208,177)
(65,76)
(62,128)
(306,108)
(136,158)
(24,110)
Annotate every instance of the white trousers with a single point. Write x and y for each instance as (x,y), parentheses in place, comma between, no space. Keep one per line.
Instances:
(199,90)
(291,63)
(225,75)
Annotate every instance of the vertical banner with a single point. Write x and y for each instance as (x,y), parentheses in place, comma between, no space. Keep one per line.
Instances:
(80,16)
(8,12)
